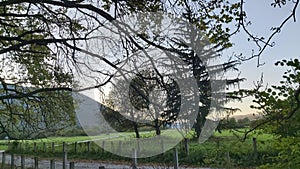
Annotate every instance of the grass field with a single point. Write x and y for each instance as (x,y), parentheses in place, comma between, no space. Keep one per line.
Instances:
(222,149)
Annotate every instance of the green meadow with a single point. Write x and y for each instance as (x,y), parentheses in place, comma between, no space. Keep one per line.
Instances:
(226,149)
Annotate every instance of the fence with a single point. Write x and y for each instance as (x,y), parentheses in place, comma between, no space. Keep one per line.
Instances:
(15,161)
(76,147)
(35,162)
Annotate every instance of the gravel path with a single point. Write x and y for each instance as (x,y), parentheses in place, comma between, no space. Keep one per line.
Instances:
(45,164)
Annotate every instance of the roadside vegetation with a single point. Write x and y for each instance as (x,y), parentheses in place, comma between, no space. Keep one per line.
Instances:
(225,149)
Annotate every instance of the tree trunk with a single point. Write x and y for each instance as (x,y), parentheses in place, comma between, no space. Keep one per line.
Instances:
(136,130)
(157,129)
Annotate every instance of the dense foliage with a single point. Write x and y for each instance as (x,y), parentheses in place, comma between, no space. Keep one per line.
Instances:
(280,107)
(43,51)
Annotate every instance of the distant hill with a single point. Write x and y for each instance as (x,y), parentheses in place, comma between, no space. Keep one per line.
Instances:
(251,117)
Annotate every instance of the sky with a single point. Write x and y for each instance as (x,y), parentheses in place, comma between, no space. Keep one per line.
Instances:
(263,16)
(287,45)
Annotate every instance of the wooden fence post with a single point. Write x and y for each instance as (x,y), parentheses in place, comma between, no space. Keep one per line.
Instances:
(65,161)
(80,146)
(88,146)
(44,147)
(22,162)
(103,144)
(112,146)
(19,146)
(120,146)
(162,144)
(176,164)
(255,148)
(64,147)
(52,164)
(72,165)
(12,161)
(34,147)
(75,147)
(26,146)
(3,159)
(138,146)
(36,162)
(9,144)
(186,146)
(134,159)
(52,147)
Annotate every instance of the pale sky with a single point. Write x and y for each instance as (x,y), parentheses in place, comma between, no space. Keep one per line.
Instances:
(263,17)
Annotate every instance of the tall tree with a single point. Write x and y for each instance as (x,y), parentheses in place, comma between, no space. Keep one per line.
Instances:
(145,111)
(119,120)
(34,90)
(42,42)
(40,115)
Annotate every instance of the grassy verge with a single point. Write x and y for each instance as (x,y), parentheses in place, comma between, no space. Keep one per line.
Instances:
(221,150)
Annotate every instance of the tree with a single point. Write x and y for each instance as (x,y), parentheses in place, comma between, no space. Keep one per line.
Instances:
(156,103)
(245,122)
(34,99)
(116,120)
(280,107)
(42,41)
(38,116)
(140,89)
(231,123)
(33,26)
(112,114)
(55,25)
